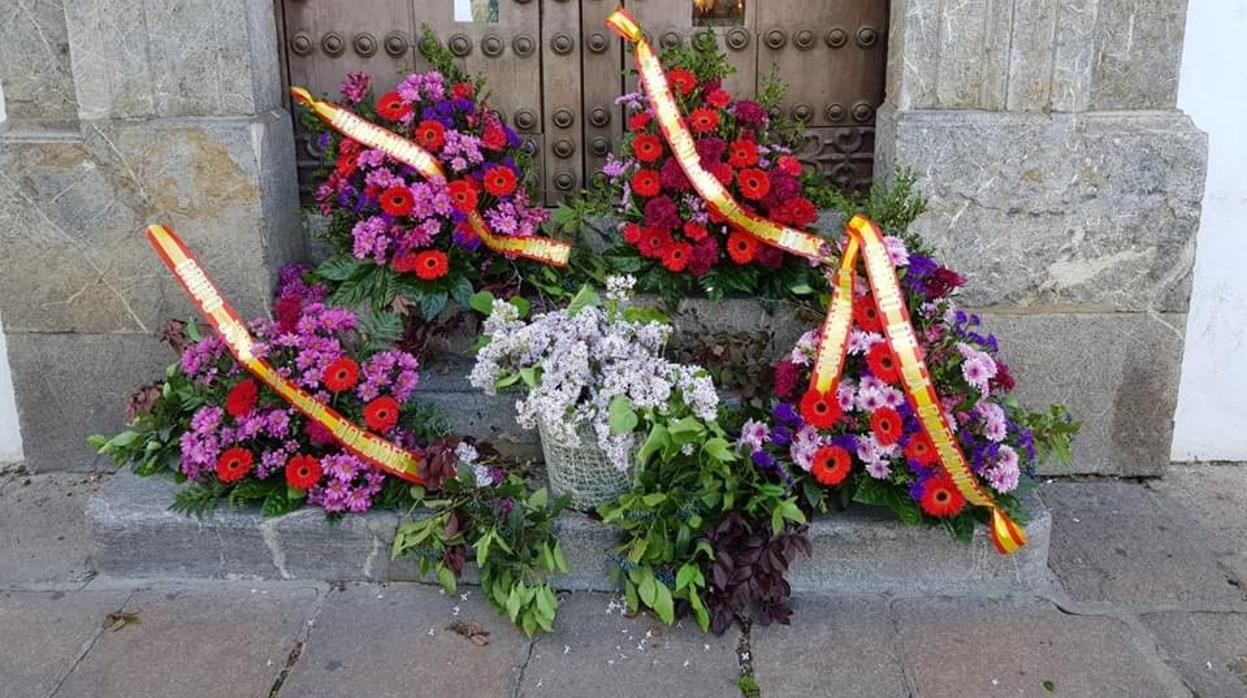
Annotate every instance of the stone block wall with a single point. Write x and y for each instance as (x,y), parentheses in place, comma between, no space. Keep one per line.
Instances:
(1064,182)
(122,114)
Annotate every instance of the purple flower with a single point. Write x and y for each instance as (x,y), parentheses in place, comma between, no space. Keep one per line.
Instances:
(661,212)
(750,113)
(355,87)
(785,413)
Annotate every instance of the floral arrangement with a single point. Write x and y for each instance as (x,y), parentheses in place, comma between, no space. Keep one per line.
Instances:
(671,240)
(232,439)
(400,241)
(592,368)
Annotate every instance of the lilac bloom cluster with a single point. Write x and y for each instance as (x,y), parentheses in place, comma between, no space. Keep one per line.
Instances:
(349,485)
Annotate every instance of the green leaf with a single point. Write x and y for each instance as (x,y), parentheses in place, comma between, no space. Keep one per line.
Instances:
(687,425)
(688,574)
(586,297)
(446,577)
(664,604)
(719,449)
(482,549)
(560,561)
(277,504)
(295,493)
(513,603)
(339,268)
(529,376)
(546,601)
(657,440)
(462,292)
(623,419)
(482,302)
(432,304)
(539,499)
(648,589)
(522,305)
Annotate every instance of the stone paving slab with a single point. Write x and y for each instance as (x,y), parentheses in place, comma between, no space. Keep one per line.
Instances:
(597,651)
(44,633)
(1215,497)
(845,642)
(1209,650)
(393,641)
(42,530)
(225,639)
(1119,542)
(958,648)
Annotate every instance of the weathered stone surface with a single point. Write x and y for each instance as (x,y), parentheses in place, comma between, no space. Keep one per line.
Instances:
(44,633)
(843,641)
(142,59)
(868,550)
(70,386)
(34,61)
(444,385)
(43,536)
(1097,211)
(135,535)
(1138,54)
(628,656)
(1215,497)
(1117,372)
(229,642)
(960,648)
(1209,650)
(1117,542)
(357,649)
(72,214)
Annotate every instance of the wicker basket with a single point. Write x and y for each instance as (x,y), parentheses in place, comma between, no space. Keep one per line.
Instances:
(583,471)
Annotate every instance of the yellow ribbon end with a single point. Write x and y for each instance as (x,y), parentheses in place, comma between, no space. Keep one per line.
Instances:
(303,96)
(1006,535)
(624,25)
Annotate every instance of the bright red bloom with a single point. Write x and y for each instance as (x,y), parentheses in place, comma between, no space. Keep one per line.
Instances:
(703,120)
(242,398)
(820,410)
(639,120)
(798,211)
(500,180)
(341,375)
(392,107)
(789,165)
(743,153)
(920,449)
(381,414)
(721,171)
(675,257)
(754,183)
(430,135)
(719,98)
(831,465)
(742,247)
(940,497)
(647,147)
(431,264)
(866,314)
(462,195)
(786,377)
(654,242)
(396,201)
(234,464)
(683,81)
(883,364)
(494,137)
(646,183)
(695,231)
(887,425)
(303,472)
(463,90)
(632,233)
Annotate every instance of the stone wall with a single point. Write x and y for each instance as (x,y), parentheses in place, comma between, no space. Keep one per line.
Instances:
(1064,182)
(122,114)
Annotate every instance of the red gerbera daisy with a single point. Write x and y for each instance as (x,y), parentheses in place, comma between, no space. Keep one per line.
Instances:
(920,449)
(831,465)
(632,233)
(654,242)
(940,497)
(381,414)
(695,231)
(494,137)
(396,201)
(719,98)
(683,81)
(500,180)
(647,147)
(743,153)
(303,472)
(820,410)
(463,90)
(234,464)
(742,247)
(341,375)
(430,134)
(646,183)
(721,171)
(754,183)
(675,257)
(392,107)
(886,423)
(639,120)
(789,165)
(866,314)
(462,195)
(703,120)
(431,264)
(883,364)
(242,398)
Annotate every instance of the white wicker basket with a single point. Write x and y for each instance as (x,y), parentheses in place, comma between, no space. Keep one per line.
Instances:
(583,471)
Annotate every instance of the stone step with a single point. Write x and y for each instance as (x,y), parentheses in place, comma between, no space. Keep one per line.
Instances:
(134,535)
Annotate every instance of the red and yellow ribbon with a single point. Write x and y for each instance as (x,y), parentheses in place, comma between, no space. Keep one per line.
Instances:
(224,319)
(864,237)
(536,248)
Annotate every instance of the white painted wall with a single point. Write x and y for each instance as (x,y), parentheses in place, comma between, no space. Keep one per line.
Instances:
(10,437)
(1211,420)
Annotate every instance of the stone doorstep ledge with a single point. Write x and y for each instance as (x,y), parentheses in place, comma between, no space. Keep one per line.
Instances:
(134,535)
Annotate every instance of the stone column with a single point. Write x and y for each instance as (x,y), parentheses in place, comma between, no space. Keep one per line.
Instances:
(124,113)
(1067,186)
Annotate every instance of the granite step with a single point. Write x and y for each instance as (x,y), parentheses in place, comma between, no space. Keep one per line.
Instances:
(135,536)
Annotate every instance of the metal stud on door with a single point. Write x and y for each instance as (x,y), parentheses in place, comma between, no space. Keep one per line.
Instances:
(561,98)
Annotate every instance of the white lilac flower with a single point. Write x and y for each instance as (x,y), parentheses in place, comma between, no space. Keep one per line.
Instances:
(619,288)
(754,434)
(466,452)
(484,477)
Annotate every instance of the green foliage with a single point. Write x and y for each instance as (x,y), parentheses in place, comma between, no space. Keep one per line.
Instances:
(1053,430)
(893,203)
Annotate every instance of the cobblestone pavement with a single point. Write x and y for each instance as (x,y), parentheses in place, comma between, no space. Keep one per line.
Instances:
(1147,598)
